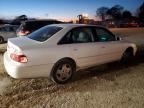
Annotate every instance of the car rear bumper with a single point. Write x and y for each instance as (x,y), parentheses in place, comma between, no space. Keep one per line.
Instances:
(17,70)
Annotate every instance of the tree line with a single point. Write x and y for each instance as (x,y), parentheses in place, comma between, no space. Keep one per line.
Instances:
(118,12)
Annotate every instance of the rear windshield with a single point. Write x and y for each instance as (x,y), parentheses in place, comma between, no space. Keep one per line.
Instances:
(44,33)
(34,25)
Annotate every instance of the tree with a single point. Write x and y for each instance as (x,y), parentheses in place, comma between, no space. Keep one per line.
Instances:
(141,11)
(102,12)
(115,12)
(126,14)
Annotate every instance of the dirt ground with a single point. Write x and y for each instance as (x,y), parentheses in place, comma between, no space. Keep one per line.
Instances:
(107,86)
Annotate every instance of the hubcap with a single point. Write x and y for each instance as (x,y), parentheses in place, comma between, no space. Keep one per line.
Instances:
(63,72)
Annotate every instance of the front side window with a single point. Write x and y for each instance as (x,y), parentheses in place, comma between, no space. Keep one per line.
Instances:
(103,35)
(78,35)
(44,33)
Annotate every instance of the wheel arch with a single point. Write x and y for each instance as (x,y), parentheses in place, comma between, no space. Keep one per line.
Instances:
(2,37)
(68,58)
(129,49)
(64,58)
(133,47)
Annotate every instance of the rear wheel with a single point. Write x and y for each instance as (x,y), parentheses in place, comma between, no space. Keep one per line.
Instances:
(63,71)
(1,40)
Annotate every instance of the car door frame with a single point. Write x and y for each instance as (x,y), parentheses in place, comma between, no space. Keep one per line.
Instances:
(85,60)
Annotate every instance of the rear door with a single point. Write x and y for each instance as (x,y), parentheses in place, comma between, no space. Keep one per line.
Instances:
(80,43)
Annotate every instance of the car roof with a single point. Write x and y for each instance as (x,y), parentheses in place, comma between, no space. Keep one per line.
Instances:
(8,25)
(74,25)
(40,20)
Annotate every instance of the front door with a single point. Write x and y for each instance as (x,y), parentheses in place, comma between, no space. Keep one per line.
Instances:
(110,48)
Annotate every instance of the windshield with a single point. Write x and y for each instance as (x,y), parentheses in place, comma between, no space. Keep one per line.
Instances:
(44,33)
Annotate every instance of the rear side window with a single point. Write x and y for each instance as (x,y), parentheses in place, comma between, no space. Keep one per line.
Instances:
(7,29)
(34,25)
(44,33)
(82,35)
(2,29)
(11,29)
(78,35)
(30,26)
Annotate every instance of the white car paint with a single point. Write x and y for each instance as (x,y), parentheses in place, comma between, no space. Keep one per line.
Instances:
(43,55)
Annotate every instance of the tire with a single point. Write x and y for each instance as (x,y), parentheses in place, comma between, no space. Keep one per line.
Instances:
(1,40)
(127,57)
(63,71)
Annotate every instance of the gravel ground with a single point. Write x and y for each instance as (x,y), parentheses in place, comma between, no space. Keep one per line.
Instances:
(107,86)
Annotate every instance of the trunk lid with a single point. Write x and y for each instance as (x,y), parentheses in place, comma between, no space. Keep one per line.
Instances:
(16,45)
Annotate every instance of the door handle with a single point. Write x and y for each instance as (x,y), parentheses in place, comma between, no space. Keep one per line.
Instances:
(75,49)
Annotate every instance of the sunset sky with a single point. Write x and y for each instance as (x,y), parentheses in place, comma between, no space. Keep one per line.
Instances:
(60,9)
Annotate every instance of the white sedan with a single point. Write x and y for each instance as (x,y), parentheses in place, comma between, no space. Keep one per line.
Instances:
(58,51)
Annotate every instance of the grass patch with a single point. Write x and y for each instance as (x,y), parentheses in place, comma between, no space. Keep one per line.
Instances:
(4,85)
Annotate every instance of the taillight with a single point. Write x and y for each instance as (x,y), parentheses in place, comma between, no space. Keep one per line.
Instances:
(23,33)
(19,58)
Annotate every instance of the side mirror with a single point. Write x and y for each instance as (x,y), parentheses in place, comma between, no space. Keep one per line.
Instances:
(118,38)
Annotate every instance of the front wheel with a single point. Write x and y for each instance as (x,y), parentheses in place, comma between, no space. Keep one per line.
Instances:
(63,71)
(127,57)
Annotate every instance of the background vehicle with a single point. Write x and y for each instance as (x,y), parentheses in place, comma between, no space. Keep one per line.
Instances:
(129,24)
(28,27)
(57,51)
(7,31)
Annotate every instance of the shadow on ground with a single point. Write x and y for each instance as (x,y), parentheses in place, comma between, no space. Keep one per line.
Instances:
(111,70)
